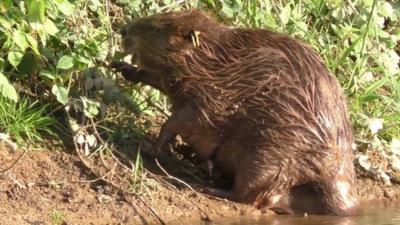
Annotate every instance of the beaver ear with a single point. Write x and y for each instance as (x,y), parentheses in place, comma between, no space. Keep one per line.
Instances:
(188,35)
(193,37)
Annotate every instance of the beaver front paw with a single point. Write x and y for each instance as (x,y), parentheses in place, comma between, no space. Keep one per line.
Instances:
(128,71)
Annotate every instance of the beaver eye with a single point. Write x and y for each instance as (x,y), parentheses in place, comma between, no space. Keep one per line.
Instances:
(124,32)
(155,29)
(188,36)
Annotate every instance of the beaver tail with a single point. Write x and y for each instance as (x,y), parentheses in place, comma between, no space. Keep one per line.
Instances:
(339,197)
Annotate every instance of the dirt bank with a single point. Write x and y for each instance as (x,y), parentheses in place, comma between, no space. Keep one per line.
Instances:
(54,187)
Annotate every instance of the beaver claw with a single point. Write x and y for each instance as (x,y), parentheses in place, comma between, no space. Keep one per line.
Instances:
(121,66)
(128,71)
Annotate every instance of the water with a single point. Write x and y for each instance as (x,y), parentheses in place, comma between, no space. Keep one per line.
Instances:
(370,214)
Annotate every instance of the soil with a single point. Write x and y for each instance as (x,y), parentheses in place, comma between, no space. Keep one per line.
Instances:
(54,187)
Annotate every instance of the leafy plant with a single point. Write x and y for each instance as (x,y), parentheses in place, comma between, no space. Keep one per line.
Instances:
(6,89)
(48,47)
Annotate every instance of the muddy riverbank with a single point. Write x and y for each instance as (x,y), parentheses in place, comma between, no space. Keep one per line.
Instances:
(54,187)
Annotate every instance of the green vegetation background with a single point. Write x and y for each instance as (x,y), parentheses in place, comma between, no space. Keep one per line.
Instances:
(53,53)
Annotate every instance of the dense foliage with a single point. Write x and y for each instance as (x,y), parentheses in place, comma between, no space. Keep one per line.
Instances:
(54,52)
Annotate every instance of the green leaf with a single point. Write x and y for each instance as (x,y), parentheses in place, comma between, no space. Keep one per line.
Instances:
(368,2)
(229,8)
(61,93)
(10,93)
(20,40)
(33,43)
(95,4)
(15,57)
(5,5)
(285,14)
(385,9)
(90,107)
(48,74)
(5,23)
(65,7)
(375,85)
(36,13)
(43,36)
(65,62)
(392,117)
(6,89)
(368,98)
(347,53)
(29,63)
(390,61)
(2,63)
(50,27)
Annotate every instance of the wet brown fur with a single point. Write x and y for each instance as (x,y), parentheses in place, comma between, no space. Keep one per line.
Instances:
(261,104)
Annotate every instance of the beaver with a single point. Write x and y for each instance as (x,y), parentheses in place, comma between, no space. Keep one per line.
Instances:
(260,105)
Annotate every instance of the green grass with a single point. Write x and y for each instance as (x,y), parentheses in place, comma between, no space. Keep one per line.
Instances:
(56,217)
(25,121)
(136,184)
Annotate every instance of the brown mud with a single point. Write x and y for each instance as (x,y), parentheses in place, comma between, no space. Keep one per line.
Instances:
(54,187)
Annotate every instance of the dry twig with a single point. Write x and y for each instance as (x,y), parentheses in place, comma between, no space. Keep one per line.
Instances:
(206,217)
(14,163)
(104,177)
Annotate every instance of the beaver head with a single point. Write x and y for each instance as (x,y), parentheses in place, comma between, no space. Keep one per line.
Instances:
(153,40)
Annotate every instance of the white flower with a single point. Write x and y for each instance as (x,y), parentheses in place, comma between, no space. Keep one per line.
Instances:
(395,146)
(395,161)
(375,125)
(363,162)
(367,77)
(390,60)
